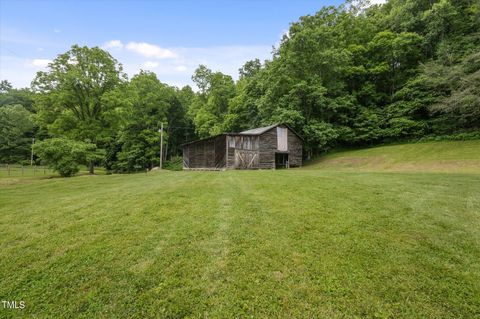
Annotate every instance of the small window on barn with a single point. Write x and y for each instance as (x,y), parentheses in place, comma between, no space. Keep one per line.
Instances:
(231,141)
(282,139)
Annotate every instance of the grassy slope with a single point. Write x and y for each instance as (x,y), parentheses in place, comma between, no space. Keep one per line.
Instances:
(446,156)
(291,243)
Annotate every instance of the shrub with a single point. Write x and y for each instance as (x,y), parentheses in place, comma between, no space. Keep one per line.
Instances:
(174,164)
(64,155)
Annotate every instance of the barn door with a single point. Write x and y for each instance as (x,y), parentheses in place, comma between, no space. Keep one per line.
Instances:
(246,159)
(281,160)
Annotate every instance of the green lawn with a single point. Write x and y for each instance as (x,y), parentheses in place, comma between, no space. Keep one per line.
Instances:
(300,243)
(446,156)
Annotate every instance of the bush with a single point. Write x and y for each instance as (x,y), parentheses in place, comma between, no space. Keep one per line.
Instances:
(66,168)
(174,164)
(63,155)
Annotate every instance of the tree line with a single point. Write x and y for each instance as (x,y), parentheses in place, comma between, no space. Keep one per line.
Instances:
(347,76)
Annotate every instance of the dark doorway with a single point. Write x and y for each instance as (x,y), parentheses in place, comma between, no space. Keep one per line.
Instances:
(281,160)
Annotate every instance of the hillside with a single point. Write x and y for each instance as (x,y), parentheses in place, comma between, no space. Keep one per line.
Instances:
(444,156)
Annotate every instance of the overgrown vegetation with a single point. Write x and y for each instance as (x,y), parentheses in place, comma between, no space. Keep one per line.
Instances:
(347,76)
(174,164)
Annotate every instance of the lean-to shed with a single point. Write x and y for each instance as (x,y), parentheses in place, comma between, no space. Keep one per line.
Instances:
(275,146)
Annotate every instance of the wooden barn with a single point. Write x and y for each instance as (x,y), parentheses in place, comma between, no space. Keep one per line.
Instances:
(275,146)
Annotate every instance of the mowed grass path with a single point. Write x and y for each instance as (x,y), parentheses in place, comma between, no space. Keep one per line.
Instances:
(287,244)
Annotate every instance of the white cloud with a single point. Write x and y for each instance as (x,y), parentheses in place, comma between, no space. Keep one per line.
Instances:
(175,70)
(113,44)
(151,64)
(20,71)
(57,30)
(150,50)
(178,70)
(378,1)
(181,68)
(38,63)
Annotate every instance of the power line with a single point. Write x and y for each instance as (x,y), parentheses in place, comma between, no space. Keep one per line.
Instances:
(13,52)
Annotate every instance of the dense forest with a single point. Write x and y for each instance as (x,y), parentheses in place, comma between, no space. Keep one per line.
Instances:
(347,76)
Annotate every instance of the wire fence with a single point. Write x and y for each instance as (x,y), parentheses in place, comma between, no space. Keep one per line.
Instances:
(17,170)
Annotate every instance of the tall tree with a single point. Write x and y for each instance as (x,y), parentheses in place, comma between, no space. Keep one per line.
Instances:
(144,103)
(210,106)
(70,101)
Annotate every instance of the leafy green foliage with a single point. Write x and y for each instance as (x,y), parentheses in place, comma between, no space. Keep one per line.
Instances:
(141,106)
(210,106)
(462,82)
(16,126)
(70,100)
(10,96)
(353,75)
(174,164)
(64,155)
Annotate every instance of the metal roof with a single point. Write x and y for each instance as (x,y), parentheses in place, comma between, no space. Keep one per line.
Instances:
(258,130)
(204,139)
(261,130)
(254,131)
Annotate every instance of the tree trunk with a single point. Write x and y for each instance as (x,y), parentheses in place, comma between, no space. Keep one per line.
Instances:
(91,168)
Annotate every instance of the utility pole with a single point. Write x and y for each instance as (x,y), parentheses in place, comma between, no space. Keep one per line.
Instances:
(161,144)
(31,156)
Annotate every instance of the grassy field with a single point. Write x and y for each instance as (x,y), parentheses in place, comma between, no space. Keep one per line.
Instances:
(300,243)
(447,156)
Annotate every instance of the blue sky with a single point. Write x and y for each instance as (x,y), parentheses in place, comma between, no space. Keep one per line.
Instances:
(170,38)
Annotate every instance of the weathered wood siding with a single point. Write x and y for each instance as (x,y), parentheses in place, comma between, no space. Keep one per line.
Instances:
(268,147)
(208,154)
(230,151)
(220,151)
(294,150)
(242,151)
